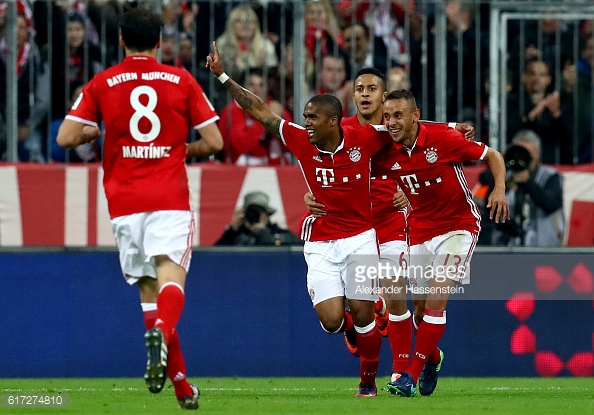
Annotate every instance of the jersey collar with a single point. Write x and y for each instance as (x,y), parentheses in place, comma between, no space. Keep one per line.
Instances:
(420,141)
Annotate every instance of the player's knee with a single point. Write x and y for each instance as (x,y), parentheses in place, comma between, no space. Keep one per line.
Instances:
(397,307)
(331,326)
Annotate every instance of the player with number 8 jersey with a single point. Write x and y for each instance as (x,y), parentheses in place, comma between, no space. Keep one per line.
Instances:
(147,109)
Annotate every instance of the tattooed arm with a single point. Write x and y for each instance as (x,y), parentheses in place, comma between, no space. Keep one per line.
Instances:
(251,103)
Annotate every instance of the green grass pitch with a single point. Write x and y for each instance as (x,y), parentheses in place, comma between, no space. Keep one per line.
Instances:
(325,396)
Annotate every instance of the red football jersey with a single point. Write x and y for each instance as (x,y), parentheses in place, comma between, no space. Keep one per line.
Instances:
(431,176)
(147,109)
(339,180)
(389,223)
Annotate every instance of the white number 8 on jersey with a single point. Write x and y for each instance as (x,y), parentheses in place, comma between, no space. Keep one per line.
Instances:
(146,112)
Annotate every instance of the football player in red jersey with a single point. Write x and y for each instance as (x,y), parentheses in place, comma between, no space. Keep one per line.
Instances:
(147,109)
(335,164)
(390,225)
(444,221)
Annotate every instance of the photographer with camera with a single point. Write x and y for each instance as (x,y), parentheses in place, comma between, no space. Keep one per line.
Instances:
(251,225)
(535,195)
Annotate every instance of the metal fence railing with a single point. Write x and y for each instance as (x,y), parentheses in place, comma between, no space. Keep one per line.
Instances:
(468,61)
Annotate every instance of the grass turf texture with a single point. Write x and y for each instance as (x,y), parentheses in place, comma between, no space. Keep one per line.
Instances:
(325,396)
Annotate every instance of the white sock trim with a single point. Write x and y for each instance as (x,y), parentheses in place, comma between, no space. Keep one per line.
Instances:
(393,317)
(171,283)
(333,332)
(435,320)
(148,307)
(366,329)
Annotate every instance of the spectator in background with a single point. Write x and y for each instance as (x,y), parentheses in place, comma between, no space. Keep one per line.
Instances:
(84,60)
(284,76)
(251,225)
(333,80)
(168,52)
(463,38)
(547,40)
(542,113)
(535,195)
(242,44)
(85,153)
(322,34)
(576,100)
(398,79)
(246,141)
(33,89)
(386,18)
(357,47)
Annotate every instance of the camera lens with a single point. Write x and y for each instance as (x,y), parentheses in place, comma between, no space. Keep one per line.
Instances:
(252,214)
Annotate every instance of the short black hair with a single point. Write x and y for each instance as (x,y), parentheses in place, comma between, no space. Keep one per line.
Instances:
(374,72)
(329,104)
(404,94)
(140,29)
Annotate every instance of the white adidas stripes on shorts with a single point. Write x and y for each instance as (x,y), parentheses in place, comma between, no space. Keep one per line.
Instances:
(143,236)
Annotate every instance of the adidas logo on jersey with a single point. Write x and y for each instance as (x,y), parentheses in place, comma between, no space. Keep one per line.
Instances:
(317,158)
(396,166)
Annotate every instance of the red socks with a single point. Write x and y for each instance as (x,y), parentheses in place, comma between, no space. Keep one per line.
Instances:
(400,337)
(170,304)
(176,365)
(369,341)
(428,336)
(347,324)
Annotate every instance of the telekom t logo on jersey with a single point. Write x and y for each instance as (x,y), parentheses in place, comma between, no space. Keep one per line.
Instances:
(413,183)
(326,176)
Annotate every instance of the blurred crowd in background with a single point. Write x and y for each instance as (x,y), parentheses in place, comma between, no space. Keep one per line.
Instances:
(62,44)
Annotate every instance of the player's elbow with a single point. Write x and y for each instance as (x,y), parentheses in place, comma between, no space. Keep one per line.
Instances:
(63,139)
(216,143)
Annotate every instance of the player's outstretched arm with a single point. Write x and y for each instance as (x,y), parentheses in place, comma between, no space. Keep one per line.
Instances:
(246,100)
(73,133)
(497,201)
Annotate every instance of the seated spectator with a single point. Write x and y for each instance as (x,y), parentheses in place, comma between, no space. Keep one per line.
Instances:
(33,80)
(85,153)
(242,45)
(535,195)
(251,225)
(246,140)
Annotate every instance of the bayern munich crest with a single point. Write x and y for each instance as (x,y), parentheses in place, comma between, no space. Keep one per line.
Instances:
(355,154)
(431,155)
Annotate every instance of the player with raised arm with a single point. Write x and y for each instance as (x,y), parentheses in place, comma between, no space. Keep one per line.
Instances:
(390,225)
(335,164)
(147,109)
(444,222)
